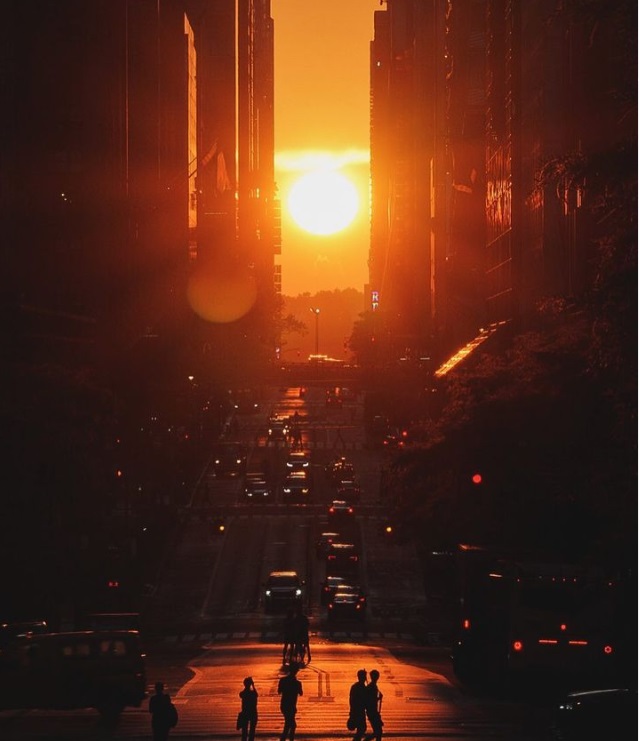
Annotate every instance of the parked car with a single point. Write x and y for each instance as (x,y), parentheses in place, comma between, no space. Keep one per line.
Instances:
(347,603)
(282,590)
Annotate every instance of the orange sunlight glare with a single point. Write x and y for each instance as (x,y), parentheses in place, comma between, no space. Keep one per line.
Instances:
(323,202)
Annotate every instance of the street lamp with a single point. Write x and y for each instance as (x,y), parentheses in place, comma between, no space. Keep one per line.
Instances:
(317,313)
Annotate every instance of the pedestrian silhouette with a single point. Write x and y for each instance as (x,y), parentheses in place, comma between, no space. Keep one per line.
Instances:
(374,707)
(301,633)
(163,716)
(357,706)
(288,646)
(289,688)
(249,697)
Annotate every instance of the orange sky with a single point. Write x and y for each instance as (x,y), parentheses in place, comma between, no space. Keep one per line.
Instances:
(322,104)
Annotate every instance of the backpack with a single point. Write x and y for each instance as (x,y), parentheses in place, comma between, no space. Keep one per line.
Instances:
(171,715)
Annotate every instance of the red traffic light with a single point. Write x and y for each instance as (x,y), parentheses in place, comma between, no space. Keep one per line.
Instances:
(476,478)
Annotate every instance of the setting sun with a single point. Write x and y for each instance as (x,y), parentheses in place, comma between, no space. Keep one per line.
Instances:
(323,202)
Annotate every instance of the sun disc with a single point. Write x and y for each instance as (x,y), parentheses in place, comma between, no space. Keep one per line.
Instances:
(323,202)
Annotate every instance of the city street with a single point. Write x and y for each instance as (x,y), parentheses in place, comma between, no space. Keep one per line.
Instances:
(417,702)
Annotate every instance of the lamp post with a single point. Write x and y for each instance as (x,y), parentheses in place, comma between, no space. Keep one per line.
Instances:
(317,313)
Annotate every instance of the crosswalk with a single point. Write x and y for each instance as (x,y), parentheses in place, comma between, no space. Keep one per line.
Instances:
(205,638)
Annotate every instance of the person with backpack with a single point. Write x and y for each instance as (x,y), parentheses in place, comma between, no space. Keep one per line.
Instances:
(163,713)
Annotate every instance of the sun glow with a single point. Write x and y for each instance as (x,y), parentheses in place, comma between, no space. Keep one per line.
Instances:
(323,202)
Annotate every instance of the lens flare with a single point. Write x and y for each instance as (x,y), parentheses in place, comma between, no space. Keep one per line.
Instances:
(221,294)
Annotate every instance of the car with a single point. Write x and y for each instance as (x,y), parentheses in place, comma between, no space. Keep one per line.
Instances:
(257,488)
(339,467)
(283,590)
(229,459)
(395,438)
(596,714)
(298,460)
(101,669)
(245,401)
(347,603)
(333,400)
(278,430)
(342,559)
(297,486)
(341,512)
(329,586)
(349,490)
(14,631)
(323,541)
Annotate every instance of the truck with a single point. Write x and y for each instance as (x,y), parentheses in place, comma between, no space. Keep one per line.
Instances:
(520,617)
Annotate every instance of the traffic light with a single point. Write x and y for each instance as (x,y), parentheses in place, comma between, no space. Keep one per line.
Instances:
(477,478)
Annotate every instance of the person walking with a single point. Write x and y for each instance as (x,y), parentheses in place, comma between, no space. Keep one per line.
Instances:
(249,697)
(357,706)
(374,707)
(288,645)
(289,688)
(162,713)
(302,635)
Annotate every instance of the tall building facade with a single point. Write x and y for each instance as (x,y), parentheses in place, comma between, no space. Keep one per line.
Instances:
(405,167)
(137,146)
(471,103)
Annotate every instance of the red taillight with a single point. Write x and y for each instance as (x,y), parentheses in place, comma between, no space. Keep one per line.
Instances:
(466,624)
